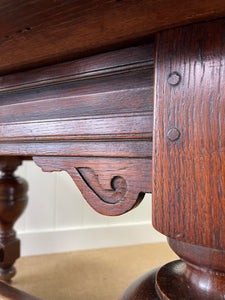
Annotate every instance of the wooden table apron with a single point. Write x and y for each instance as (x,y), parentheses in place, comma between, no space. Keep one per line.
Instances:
(93,117)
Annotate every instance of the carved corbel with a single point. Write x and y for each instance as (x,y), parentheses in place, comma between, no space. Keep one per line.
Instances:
(111,186)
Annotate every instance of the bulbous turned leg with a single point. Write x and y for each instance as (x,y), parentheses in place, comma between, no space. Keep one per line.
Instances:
(13,200)
(199,275)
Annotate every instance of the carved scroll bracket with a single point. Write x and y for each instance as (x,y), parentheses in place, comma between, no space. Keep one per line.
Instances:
(111,186)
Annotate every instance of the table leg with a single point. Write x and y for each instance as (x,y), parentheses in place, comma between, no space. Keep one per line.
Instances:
(198,275)
(13,200)
(188,164)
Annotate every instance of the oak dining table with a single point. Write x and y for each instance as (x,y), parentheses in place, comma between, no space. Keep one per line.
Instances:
(127,97)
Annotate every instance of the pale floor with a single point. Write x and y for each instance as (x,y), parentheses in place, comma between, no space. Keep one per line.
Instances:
(88,275)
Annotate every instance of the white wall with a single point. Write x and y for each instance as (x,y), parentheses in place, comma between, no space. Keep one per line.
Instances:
(58,219)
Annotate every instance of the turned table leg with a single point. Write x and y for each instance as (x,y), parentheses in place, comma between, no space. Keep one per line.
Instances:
(13,200)
(199,274)
(189,164)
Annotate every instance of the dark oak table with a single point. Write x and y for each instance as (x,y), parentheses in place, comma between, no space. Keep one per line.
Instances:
(128,98)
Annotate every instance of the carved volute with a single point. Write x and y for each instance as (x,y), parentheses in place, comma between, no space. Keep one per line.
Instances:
(111,186)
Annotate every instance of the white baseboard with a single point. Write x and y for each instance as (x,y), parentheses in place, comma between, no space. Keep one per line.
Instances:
(36,243)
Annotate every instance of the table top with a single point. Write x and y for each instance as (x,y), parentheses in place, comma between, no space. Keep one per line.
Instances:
(40,32)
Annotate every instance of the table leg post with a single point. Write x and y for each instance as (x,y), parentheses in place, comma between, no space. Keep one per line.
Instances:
(188,164)
(200,274)
(13,200)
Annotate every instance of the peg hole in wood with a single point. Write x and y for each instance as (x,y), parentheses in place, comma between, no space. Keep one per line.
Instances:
(174,79)
(173,134)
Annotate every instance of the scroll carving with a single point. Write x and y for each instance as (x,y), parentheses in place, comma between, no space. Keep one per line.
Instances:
(113,195)
(111,186)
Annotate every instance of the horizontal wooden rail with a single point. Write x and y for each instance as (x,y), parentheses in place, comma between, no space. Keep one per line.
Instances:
(9,293)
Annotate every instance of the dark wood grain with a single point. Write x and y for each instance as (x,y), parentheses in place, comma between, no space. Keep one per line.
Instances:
(100,148)
(111,186)
(90,117)
(97,106)
(118,126)
(47,31)
(188,283)
(10,293)
(143,288)
(203,257)
(188,164)
(189,140)
(103,64)
(99,84)
(93,118)
(199,275)
(13,200)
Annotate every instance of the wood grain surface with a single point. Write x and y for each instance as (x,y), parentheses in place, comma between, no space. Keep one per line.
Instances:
(111,186)
(10,293)
(189,139)
(92,117)
(40,32)
(96,106)
(13,201)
